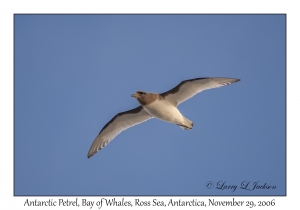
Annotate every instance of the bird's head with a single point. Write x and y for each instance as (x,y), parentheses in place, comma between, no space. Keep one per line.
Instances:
(138,94)
(143,97)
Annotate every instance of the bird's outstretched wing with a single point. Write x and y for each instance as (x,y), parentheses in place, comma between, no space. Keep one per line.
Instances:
(188,88)
(116,125)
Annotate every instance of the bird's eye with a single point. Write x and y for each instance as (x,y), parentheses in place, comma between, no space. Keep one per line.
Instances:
(142,93)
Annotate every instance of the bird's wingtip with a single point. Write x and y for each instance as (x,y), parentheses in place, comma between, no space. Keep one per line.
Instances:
(89,155)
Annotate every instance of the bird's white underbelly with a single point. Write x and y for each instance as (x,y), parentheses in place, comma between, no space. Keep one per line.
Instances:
(163,110)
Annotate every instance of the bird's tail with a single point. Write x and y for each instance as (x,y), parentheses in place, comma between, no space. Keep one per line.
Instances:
(187,124)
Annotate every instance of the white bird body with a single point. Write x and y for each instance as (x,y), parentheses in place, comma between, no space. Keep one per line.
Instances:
(164,110)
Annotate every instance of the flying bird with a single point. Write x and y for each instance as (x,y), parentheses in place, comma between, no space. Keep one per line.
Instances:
(162,106)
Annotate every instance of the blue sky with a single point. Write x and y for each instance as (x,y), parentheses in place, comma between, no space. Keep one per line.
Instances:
(73,73)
